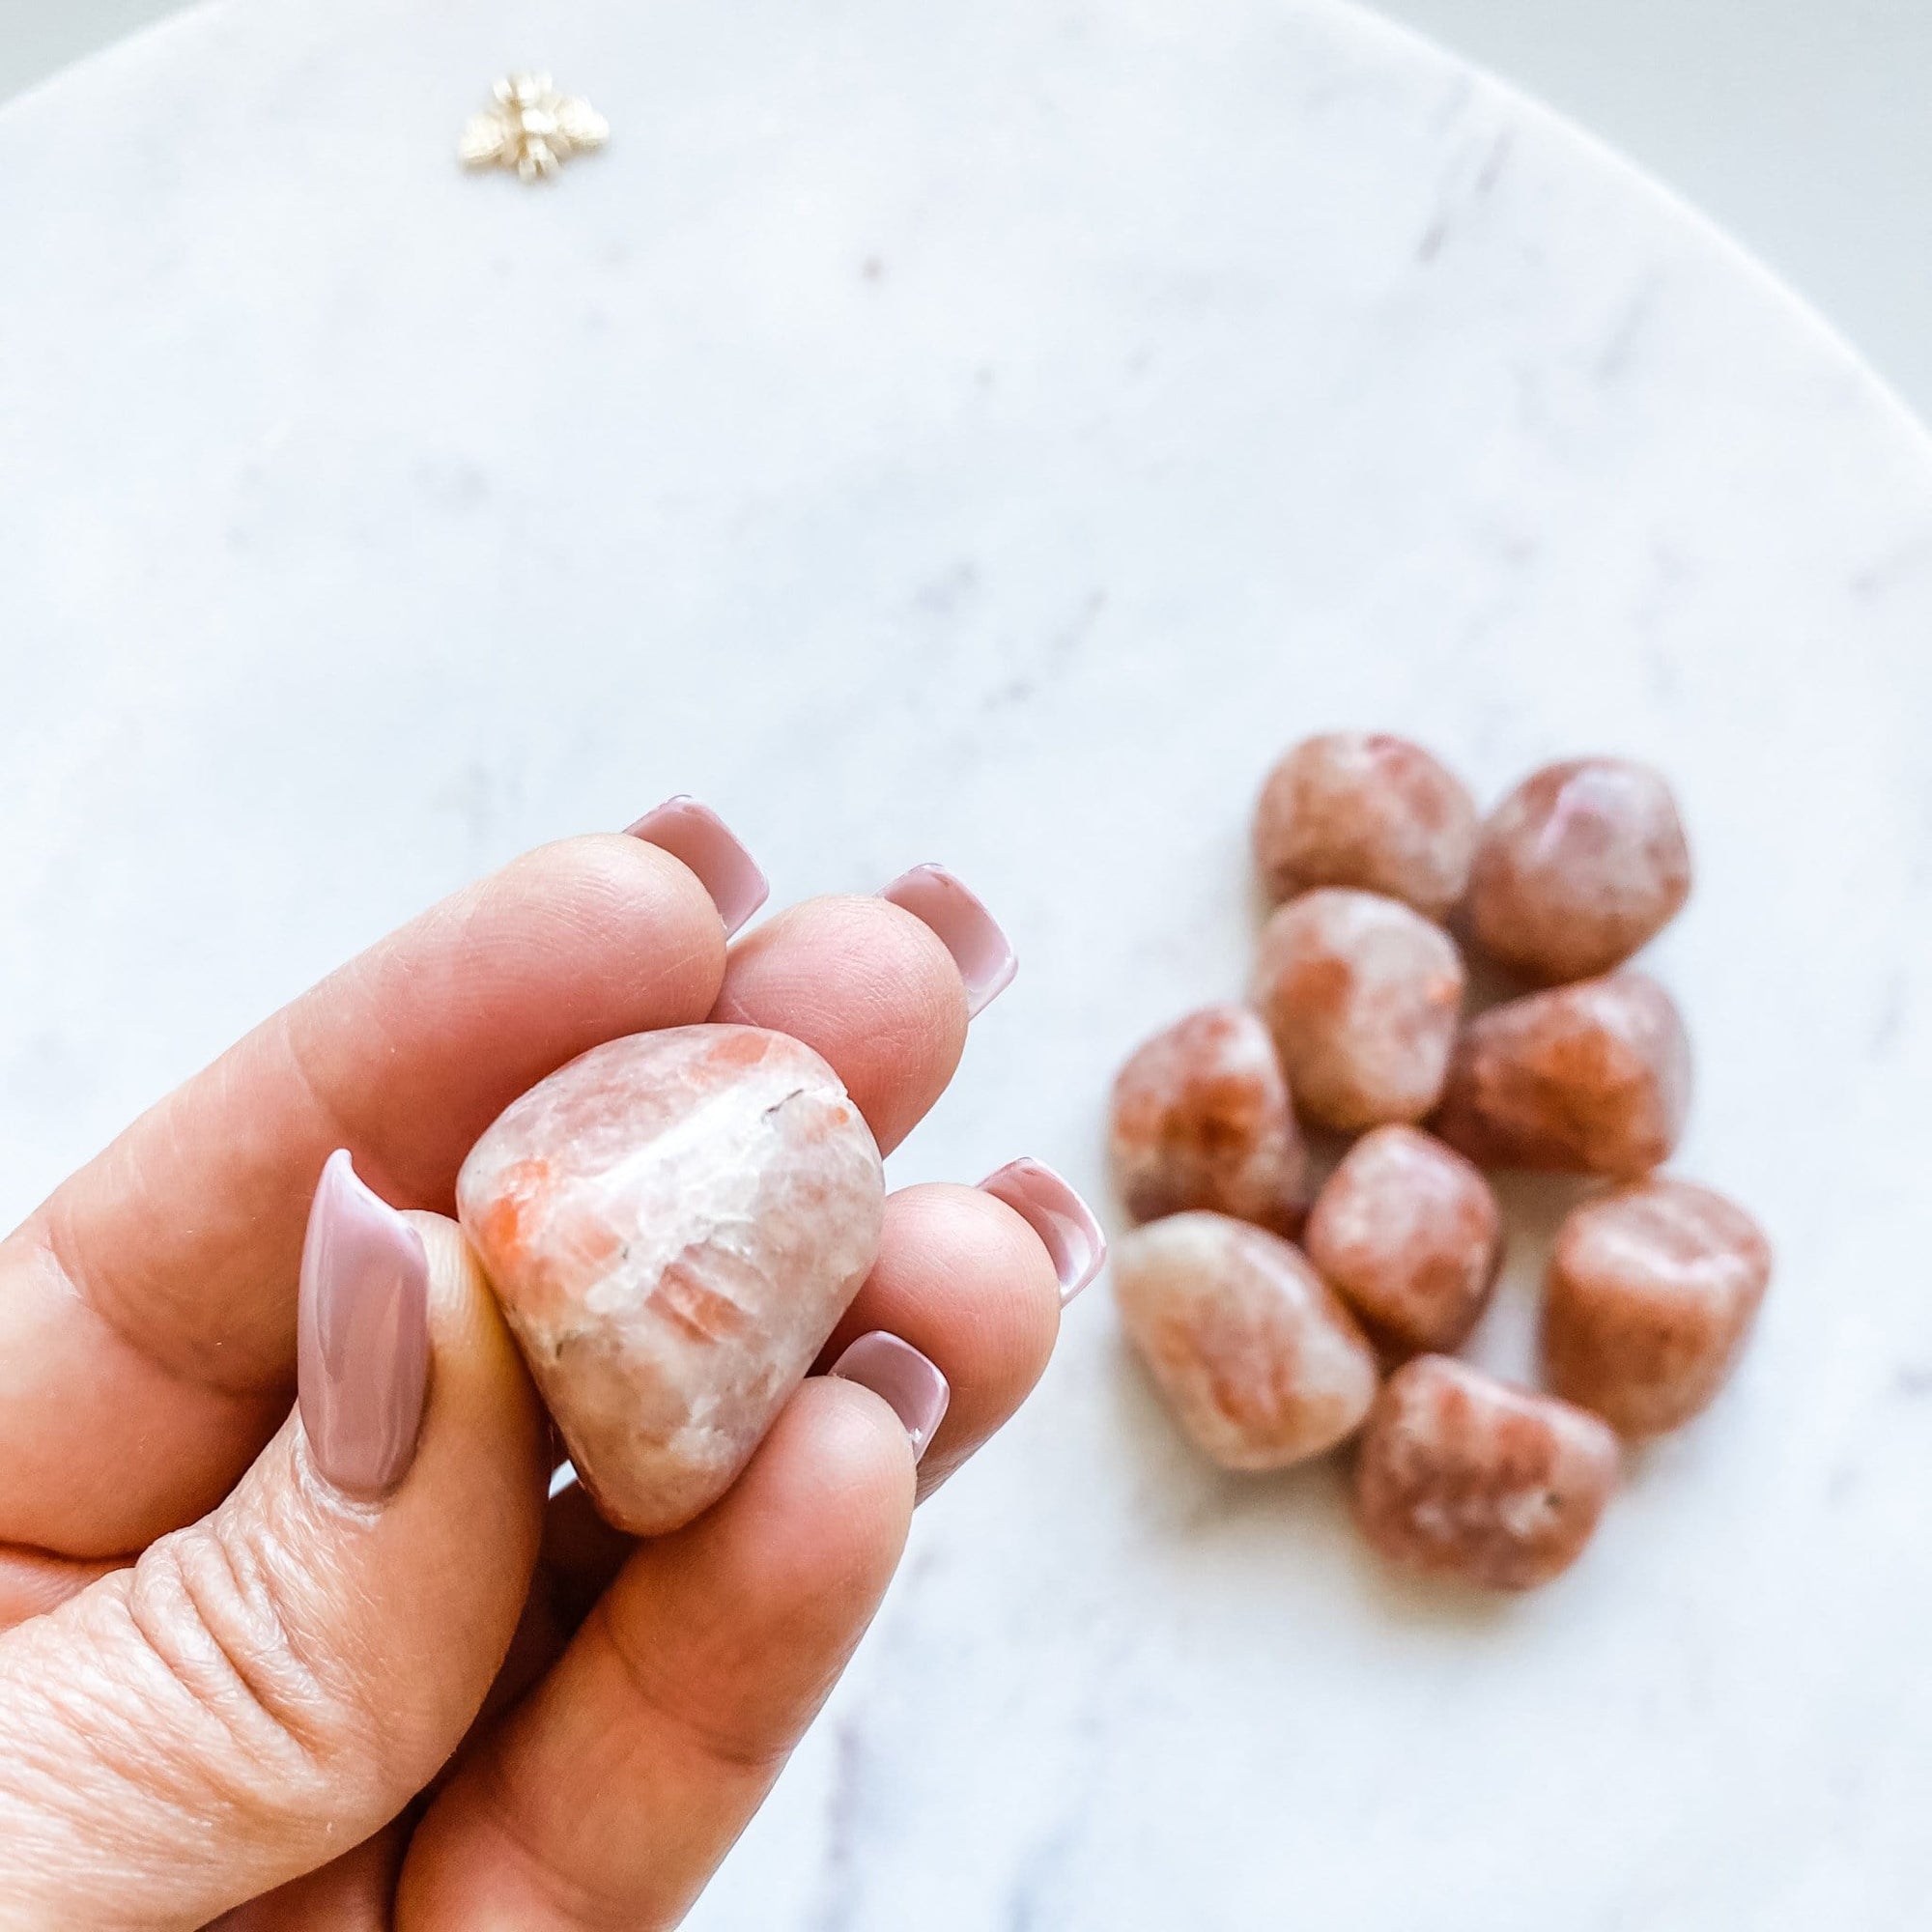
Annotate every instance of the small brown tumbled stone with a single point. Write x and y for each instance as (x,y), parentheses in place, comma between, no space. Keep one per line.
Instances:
(1201,1118)
(1409,1234)
(1462,1475)
(1578,868)
(1258,1361)
(1593,1078)
(1652,1291)
(1362,995)
(1363,809)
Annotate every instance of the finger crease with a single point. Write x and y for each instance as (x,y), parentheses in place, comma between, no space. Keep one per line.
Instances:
(726,1747)
(204,1613)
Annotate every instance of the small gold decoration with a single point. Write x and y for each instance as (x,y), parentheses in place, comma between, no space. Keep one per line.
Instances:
(532,128)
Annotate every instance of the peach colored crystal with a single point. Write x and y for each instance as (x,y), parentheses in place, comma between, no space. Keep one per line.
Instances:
(1409,1234)
(1362,809)
(1652,1291)
(1593,1078)
(1576,868)
(1362,995)
(673,1224)
(1201,1119)
(1462,1475)
(1258,1361)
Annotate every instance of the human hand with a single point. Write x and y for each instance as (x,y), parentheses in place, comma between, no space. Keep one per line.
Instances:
(232,1674)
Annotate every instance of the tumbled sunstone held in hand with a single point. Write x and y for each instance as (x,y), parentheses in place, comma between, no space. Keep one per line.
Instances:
(673,1224)
(1201,1119)
(1652,1291)
(1258,1361)
(1462,1475)
(1593,1078)
(1409,1234)
(1363,809)
(1578,868)
(1362,995)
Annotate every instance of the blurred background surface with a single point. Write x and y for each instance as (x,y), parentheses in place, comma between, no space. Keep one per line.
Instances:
(1801,125)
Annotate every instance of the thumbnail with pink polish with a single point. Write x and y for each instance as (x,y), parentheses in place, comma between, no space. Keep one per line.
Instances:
(914,1388)
(1065,1225)
(696,836)
(361,1334)
(964,927)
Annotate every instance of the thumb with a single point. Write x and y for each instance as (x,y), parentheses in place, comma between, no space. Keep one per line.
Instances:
(265,1688)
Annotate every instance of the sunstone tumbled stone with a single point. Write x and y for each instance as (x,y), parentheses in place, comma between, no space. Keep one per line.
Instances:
(1201,1118)
(1652,1291)
(1462,1475)
(1593,1078)
(673,1224)
(1579,865)
(1409,1235)
(1367,810)
(1362,995)
(1258,1361)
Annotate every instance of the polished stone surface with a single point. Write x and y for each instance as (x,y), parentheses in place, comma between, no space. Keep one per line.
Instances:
(1254,1355)
(1201,1118)
(1464,1476)
(1409,1235)
(1649,1298)
(1363,996)
(1370,810)
(1584,863)
(1592,1078)
(673,1224)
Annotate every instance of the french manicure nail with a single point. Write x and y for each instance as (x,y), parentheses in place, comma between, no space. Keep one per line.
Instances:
(965,928)
(696,836)
(1065,1225)
(916,1392)
(361,1334)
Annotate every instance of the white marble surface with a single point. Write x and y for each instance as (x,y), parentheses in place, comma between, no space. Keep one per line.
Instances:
(990,436)
(1799,125)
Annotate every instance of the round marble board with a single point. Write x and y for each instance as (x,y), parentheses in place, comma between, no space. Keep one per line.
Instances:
(990,434)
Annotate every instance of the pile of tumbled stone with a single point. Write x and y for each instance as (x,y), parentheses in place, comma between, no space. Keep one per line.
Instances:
(1269,1353)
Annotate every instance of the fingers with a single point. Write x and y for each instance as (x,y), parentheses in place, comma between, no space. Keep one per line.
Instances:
(610,1793)
(153,1294)
(868,986)
(272,1683)
(352,1893)
(963,1279)
(32,1583)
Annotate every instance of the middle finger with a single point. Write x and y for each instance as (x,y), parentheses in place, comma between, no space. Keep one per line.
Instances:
(881,994)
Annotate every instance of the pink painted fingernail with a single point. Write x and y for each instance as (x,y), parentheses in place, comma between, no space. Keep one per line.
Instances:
(361,1334)
(694,835)
(916,1392)
(1064,1222)
(965,928)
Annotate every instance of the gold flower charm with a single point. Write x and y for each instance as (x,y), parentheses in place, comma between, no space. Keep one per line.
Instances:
(532,128)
